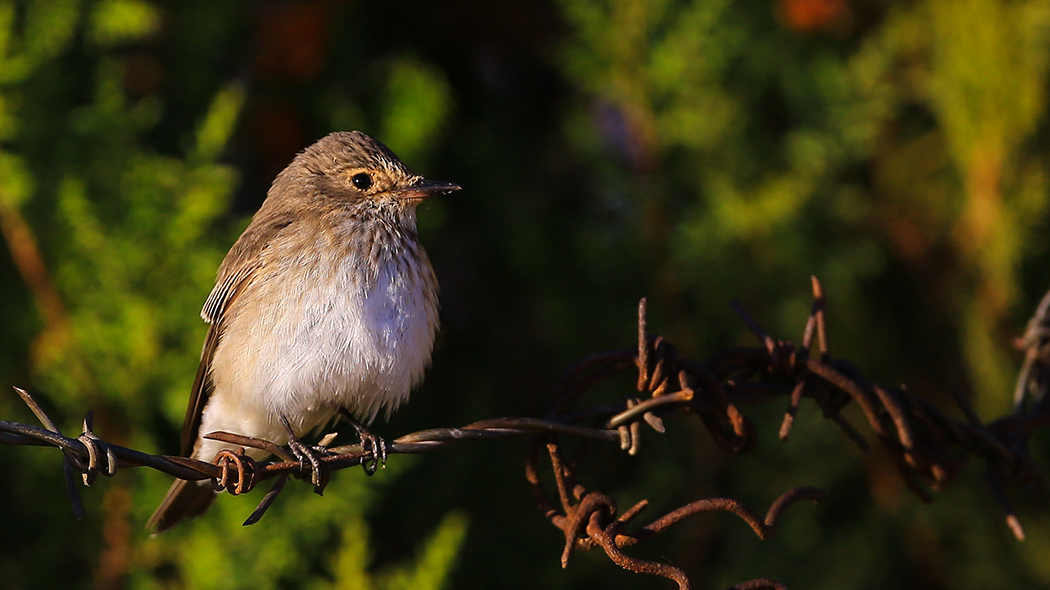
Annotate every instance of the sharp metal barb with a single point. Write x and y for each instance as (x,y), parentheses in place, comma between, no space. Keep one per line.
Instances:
(267,500)
(1000,498)
(255,443)
(643,345)
(925,443)
(753,326)
(819,306)
(71,490)
(789,415)
(37,410)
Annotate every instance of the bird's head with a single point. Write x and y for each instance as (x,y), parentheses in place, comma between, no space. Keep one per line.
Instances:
(351,169)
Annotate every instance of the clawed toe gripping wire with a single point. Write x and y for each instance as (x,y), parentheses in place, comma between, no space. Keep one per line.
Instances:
(927,445)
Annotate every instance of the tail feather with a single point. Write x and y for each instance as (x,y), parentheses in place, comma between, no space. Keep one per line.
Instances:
(185,499)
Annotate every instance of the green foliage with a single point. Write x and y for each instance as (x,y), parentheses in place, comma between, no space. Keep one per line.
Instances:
(430,572)
(416,103)
(116,21)
(15,182)
(304,541)
(132,242)
(691,151)
(46,29)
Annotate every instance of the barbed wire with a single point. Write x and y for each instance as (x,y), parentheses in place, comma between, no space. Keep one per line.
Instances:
(928,447)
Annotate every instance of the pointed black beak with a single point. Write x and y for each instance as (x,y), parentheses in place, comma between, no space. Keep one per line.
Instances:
(427,188)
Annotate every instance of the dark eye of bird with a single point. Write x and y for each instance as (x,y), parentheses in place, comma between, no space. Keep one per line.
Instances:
(362,181)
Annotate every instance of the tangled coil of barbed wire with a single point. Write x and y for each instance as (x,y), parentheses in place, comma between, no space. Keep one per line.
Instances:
(928,446)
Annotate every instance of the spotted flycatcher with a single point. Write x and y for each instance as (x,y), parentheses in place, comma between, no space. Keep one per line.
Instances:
(326,304)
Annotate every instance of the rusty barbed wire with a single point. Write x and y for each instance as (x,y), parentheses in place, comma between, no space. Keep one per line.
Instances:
(927,446)
(236,473)
(592,520)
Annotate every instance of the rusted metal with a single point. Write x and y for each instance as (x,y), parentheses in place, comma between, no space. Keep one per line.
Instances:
(243,466)
(927,445)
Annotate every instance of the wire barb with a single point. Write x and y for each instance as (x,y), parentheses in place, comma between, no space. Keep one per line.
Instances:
(927,445)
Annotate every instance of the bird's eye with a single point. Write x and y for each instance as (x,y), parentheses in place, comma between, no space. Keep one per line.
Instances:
(362,181)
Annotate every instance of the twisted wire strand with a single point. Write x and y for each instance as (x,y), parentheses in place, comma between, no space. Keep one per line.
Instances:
(927,445)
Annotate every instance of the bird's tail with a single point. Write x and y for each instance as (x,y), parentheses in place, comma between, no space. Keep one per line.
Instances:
(185,499)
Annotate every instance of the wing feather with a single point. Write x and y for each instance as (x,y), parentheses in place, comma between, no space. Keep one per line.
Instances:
(238,270)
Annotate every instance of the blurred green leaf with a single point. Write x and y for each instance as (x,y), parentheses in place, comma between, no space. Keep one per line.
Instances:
(120,21)
(16,183)
(417,102)
(693,151)
(214,132)
(436,560)
(49,27)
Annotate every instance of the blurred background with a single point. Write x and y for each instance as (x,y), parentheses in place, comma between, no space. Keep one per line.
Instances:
(690,151)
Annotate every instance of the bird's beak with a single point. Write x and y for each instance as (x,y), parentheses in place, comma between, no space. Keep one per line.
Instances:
(427,188)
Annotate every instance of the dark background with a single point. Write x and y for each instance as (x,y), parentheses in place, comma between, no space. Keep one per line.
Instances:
(689,152)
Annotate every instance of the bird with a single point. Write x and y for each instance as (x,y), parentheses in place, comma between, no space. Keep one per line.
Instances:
(326,305)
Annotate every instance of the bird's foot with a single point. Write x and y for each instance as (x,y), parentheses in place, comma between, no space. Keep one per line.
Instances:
(319,473)
(369,442)
(375,445)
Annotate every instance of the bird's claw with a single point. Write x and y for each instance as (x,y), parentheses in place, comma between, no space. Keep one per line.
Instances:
(319,474)
(369,442)
(374,445)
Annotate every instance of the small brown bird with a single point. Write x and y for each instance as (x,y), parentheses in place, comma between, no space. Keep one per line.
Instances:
(326,304)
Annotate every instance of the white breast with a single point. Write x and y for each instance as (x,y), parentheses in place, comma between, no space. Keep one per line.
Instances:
(319,334)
